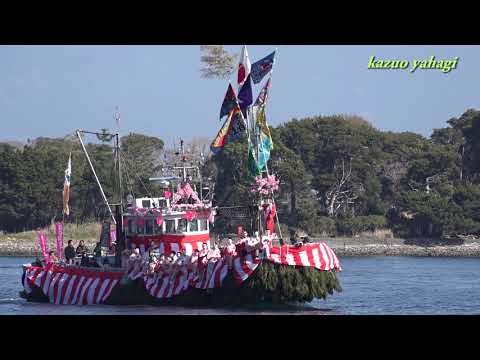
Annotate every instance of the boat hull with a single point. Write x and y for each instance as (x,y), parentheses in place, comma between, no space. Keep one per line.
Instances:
(270,283)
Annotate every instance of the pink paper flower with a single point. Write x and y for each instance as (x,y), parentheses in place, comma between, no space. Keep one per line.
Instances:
(265,185)
(189,215)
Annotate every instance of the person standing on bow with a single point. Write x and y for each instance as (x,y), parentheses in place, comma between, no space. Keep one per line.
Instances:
(69,252)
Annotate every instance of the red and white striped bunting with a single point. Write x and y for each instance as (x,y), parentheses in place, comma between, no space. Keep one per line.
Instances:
(212,275)
(317,255)
(71,286)
(81,286)
(244,266)
(166,285)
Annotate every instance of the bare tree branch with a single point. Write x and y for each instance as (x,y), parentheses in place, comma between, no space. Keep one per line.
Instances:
(217,62)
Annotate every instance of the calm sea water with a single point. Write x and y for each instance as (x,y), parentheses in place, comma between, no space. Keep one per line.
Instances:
(372,285)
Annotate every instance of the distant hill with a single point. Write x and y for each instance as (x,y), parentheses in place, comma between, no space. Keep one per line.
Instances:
(17,144)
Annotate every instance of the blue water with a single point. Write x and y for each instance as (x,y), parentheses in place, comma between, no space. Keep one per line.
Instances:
(372,285)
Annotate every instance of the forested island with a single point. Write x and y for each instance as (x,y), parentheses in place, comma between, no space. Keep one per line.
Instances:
(339,177)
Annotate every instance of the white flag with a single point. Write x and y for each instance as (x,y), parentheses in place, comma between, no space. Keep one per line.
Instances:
(244,67)
(66,186)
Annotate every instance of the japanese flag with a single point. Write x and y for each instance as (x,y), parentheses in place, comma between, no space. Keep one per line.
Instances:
(244,67)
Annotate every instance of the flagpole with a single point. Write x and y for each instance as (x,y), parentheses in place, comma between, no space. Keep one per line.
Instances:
(63,211)
(266,163)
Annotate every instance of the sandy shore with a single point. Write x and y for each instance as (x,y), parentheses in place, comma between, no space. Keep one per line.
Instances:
(341,246)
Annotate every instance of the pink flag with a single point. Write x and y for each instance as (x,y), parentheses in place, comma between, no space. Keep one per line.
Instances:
(159,220)
(59,233)
(43,245)
(113,237)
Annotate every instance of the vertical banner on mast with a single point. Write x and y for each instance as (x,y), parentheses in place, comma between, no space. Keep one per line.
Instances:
(113,236)
(42,240)
(66,186)
(59,238)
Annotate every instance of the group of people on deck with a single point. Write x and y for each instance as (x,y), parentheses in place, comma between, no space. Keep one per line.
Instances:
(175,262)
(169,263)
(81,253)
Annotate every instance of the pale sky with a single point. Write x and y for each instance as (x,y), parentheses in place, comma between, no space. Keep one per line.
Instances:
(53,90)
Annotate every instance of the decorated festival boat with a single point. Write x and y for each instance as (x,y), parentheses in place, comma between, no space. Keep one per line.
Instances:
(165,249)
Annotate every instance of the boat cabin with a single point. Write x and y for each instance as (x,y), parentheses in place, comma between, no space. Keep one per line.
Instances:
(153,223)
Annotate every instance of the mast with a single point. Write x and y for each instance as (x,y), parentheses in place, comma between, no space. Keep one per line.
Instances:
(117,158)
(257,138)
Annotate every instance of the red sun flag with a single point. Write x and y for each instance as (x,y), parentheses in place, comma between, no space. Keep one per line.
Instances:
(243,67)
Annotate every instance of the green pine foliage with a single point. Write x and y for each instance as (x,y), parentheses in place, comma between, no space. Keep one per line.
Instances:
(269,284)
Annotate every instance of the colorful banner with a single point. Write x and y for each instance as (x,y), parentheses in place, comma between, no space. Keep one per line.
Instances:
(252,163)
(262,67)
(59,236)
(264,148)
(232,130)
(229,102)
(42,239)
(263,95)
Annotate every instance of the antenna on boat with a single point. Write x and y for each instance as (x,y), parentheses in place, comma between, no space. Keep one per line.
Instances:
(184,159)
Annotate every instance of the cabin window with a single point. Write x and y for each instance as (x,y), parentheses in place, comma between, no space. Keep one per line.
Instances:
(131,226)
(170,226)
(182,225)
(158,228)
(140,228)
(193,225)
(162,203)
(203,225)
(149,226)
(146,203)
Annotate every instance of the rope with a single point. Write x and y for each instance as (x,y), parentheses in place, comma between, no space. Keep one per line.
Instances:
(127,176)
(141,182)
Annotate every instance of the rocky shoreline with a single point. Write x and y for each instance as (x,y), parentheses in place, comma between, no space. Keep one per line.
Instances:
(341,246)
(467,250)
(404,247)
